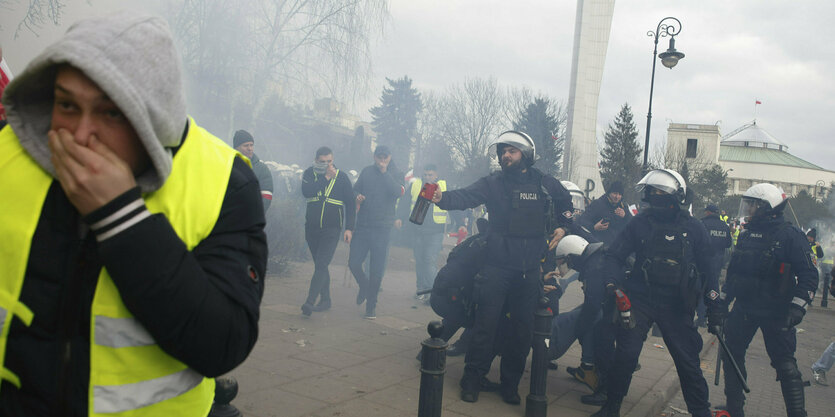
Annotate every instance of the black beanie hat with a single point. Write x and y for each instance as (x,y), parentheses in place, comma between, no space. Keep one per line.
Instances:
(813,233)
(615,187)
(241,137)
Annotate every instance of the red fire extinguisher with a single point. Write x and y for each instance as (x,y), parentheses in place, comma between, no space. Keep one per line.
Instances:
(423,203)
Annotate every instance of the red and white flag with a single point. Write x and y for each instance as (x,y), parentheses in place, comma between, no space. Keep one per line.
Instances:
(758,102)
(5,78)
(633,209)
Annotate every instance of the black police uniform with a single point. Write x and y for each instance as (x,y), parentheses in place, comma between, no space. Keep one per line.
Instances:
(671,272)
(510,278)
(720,239)
(769,254)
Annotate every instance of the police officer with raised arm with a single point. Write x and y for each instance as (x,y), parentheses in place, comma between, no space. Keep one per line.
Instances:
(670,274)
(773,279)
(526,207)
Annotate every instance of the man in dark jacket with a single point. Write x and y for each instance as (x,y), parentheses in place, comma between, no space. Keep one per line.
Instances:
(525,208)
(330,208)
(245,144)
(377,189)
(608,215)
(133,251)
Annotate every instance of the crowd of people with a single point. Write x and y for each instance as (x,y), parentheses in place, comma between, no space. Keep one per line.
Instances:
(155,232)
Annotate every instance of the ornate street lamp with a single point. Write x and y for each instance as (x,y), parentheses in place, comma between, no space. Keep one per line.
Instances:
(668,58)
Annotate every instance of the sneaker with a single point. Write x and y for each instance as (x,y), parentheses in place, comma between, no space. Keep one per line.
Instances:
(819,377)
(585,374)
(552,365)
(422,297)
(511,396)
(370,315)
(598,398)
(360,297)
(470,387)
(307,309)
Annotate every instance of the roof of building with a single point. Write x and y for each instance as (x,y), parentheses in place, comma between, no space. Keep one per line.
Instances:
(761,155)
(752,134)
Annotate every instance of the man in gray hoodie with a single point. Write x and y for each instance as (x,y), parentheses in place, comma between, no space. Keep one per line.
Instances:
(133,251)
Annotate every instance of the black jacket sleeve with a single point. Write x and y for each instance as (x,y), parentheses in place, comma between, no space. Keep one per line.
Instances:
(201,306)
(472,196)
(312,183)
(346,195)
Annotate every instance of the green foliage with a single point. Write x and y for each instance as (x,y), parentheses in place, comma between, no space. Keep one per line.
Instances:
(620,159)
(395,119)
(709,186)
(540,120)
(803,210)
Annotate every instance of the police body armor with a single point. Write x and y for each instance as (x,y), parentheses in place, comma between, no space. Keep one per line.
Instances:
(528,206)
(665,268)
(755,276)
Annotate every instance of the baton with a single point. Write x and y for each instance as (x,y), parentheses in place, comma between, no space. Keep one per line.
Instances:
(733,363)
(718,366)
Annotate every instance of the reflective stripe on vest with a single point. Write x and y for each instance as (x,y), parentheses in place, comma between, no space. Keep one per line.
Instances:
(325,199)
(129,372)
(438,215)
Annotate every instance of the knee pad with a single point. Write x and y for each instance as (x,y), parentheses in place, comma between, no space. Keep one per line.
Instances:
(787,369)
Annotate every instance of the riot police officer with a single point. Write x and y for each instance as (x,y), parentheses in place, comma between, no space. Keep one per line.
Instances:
(720,239)
(670,274)
(773,279)
(525,207)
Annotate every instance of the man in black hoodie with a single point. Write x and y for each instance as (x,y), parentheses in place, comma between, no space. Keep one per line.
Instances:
(330,208)
(608,215)
(377,189)
(244,143)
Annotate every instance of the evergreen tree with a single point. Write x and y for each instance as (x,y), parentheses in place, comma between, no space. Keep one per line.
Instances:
(395,119)
(620,159)
(541,121)
(709,187)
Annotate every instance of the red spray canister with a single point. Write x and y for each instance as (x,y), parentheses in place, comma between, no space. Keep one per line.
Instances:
(625,309)
(423,203)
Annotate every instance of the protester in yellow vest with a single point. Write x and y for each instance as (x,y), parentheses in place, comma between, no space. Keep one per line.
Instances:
(817,250)
(132,254)
(723,216)
(428,238)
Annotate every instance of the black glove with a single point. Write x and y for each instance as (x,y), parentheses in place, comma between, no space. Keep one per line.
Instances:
(716,318)
(795,315)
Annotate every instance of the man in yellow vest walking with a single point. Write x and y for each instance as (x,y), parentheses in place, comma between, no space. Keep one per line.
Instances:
(428,238)
(132,255)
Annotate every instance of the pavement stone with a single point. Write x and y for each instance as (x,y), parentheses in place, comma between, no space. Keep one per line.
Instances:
(766,399)
(335,363)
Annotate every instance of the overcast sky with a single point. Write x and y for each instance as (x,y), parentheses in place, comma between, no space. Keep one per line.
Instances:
(736,51)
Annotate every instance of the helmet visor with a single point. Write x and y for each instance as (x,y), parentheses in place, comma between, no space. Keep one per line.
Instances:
(579,202)
(669,189)
(750,207)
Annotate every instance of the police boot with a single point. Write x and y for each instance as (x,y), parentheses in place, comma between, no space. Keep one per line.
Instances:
(610,409)
(470,387)
(598,397)
(793,397)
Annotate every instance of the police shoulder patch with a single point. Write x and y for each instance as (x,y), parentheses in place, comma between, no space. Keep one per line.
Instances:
(713,295)
(567,214)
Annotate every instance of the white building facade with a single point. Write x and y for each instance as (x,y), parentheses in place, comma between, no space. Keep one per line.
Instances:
(750,155)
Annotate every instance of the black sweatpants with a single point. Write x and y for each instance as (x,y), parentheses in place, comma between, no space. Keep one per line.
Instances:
(322,244)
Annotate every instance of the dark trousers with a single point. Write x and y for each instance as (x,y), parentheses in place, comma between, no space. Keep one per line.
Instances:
(683,341)
(374,241)
(716,261)
(322,244)
(495,291)
(780,344)
(827,278)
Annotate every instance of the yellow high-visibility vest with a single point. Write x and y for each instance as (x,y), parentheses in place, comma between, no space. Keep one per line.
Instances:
(735,235)
(438,215)
(130,375)
(326,198)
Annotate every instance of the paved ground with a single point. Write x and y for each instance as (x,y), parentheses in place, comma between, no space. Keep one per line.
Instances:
(766,399)
(338,364)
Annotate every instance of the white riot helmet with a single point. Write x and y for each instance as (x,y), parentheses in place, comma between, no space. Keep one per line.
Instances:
(518,140)
(571,249)
(762,200)
(665,180)
(578,199)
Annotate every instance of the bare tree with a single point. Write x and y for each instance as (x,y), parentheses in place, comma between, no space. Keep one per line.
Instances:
(240,53)
(38,13)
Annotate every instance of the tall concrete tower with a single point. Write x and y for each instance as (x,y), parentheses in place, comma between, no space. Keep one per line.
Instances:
(591,39)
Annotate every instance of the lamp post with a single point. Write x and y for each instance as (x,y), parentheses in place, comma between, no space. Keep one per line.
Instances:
(669,59)
(819,191)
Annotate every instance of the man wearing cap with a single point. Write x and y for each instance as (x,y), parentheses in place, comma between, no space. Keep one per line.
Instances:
(720,239)
(526,207)
(244,143)
(133,253)
(377,190)
(607,216)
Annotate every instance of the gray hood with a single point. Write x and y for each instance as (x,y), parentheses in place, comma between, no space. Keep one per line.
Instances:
(133,60)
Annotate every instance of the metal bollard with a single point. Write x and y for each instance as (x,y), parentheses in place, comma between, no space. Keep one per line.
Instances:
(432,369)
(536,403)
(226,389)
